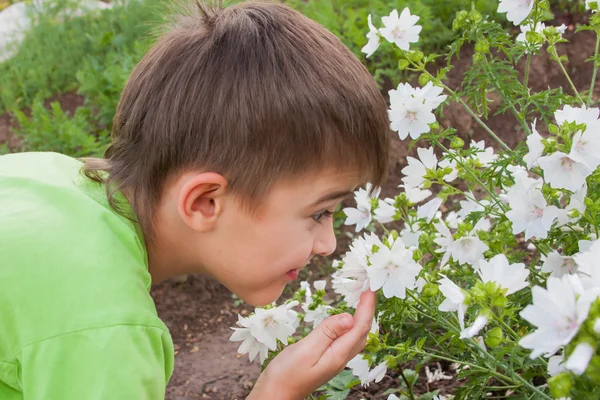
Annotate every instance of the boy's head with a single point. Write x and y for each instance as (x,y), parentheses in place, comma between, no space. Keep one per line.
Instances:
(228,133)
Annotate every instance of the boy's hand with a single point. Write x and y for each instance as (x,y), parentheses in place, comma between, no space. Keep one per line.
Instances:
(305,366)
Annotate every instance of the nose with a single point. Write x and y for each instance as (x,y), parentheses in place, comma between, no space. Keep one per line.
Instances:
(325,243)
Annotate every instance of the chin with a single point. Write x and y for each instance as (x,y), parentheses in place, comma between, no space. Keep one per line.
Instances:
(263,297)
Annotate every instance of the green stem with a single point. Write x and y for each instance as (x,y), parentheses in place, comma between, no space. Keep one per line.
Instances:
(476,117)
(408,385)
(506,98)
(527,69)
(513,374)
(492,194)
(591,93)
(508,328)
(566,74)
(312,397)
(466,106)
(470,365)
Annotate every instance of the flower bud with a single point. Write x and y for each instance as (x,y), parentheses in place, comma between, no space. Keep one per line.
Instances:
(430,290)
(457,143)
(417,255)
(424,79)
(560,385)
(534,37)
(459,21)
(475,16)
(403,64)
(482,46)
(416,56)
(477,58)
(494,337)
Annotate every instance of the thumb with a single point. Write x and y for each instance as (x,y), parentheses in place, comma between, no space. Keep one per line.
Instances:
(328,331)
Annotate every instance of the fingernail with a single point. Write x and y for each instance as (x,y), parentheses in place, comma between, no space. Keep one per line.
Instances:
(346,321)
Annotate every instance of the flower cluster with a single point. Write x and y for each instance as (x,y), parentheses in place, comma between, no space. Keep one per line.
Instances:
(488,256)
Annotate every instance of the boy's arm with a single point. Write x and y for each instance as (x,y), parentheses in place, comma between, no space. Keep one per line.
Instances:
(117,362)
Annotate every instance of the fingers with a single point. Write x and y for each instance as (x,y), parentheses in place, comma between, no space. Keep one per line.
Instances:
(328,331)
(347,346)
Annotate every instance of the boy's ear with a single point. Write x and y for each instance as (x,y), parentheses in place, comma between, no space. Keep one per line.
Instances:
(201,200)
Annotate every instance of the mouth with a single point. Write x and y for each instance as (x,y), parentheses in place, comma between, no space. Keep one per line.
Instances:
(293,274)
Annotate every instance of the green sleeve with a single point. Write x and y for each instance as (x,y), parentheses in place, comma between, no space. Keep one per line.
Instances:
(118,362)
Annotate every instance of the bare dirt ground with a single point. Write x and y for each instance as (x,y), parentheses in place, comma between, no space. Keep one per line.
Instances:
(199,311)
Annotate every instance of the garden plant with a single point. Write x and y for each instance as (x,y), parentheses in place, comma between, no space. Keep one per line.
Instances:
(495,266)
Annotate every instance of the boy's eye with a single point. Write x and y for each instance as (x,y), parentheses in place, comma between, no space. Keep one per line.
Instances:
(323,215)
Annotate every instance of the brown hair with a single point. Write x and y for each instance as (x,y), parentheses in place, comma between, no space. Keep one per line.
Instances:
(256,92)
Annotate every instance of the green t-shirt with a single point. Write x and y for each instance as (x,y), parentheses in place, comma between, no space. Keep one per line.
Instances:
(76,317)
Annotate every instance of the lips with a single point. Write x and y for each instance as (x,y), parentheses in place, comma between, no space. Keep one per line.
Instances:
(293,274)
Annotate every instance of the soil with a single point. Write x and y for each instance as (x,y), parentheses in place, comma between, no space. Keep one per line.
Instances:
(199,311)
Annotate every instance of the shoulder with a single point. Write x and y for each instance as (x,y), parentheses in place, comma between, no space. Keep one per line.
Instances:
(69,262)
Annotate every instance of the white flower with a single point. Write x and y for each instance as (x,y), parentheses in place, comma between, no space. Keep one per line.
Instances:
(577,203)
(249,344)
(374,39)
(416,170)
(361,215)
(586,148)
(556,365)
(393,269)
(455,299)
(269,326)
(443,239)
(431,95)
(480,322)
(559,265)
(485,156)
(557,312)
(449,163)
(469,205)
(512,277)
(320,285)
(411,110)
(580,358)
(517,10)
(579,115)
(587,262)
(453,219)
(428,210)
(535,145)
(592,5)
(517,171)
(483,225)
(415,195)
(385,211)
(411,117)
(304,285)
(351,280)
(401,30)
(318,315)
(468,250)
(561,171)
(530,212)
(410,235)
(360,368)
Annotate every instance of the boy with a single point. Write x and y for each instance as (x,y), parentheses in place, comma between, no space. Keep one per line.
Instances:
(236,137)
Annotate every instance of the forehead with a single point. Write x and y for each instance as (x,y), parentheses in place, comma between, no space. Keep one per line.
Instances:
(310,187)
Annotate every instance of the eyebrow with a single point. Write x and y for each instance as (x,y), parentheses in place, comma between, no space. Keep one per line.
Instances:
(332,196)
